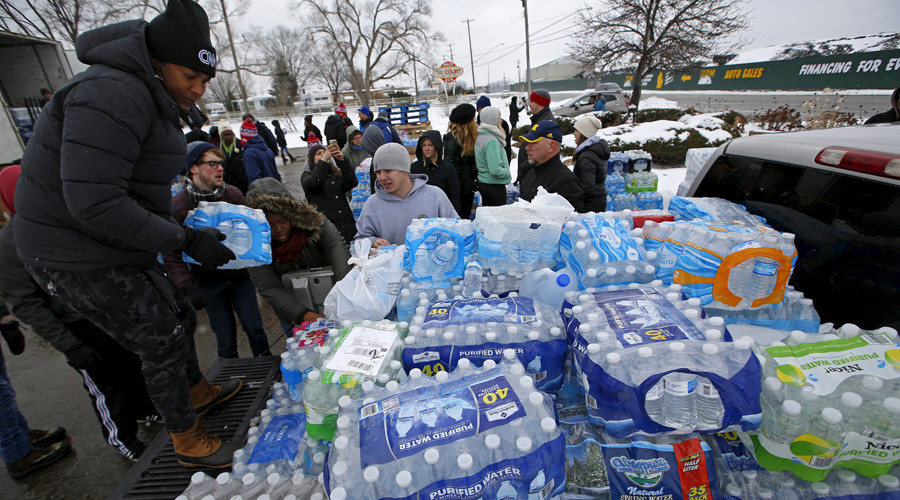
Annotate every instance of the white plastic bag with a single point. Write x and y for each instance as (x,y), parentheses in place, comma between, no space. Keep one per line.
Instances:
(553,205)
(370,290)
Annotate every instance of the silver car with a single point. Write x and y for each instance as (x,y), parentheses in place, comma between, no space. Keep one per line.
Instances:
(584,102)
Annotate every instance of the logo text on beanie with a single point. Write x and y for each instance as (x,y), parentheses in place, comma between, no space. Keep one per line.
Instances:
(207,58)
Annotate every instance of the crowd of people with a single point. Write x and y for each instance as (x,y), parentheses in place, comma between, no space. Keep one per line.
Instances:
(92,209)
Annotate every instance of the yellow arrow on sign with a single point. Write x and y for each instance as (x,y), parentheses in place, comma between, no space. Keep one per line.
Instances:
(685,78)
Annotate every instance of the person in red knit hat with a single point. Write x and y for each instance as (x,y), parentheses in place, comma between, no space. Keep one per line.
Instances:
(539,107)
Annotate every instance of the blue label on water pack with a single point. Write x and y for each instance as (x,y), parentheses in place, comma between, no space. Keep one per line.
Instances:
(735,455)
(543,361)
(280,440)
(612,240)
(645,470)
(405,424)
(643,316)
(464,312)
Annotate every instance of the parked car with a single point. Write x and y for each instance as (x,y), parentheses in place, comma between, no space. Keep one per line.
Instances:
(216,110)
(838,190)
(584,102)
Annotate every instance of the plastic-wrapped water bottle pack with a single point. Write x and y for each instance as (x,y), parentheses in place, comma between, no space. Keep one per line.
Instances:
(362,191)
(438,249)
(641,181)
(725,265)
(648,200)
(476,433)
(602,250)
(246,229)
(300,354)
(712,209)
(651,362)
(831,401)
(366,352)
(485,329)
(795,312)
(513,238)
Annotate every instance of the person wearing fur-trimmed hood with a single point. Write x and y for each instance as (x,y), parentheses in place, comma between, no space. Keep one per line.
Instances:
(302,238)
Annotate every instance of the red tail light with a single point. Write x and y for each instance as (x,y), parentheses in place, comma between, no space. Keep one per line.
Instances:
(861,160)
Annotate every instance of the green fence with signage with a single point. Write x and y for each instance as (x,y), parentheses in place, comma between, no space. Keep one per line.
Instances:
(552,86)
(865,70)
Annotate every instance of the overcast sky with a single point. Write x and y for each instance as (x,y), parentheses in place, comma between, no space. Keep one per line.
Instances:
(498,27)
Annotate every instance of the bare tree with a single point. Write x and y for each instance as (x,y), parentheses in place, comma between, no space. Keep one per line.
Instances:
(60,20)
(369,35)
(649,35)
(224,89)
(327,68)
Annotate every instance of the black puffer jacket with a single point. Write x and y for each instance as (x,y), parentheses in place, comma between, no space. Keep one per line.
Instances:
(336,130)
(442,173)
(328,193)
(590,168)
(95,190)
(522,159)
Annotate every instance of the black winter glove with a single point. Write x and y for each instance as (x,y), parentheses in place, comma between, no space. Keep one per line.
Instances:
(193,293)
(13,336)
(204,247)
(82,357)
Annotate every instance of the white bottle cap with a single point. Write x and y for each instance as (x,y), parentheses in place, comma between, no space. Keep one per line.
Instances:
(584,328)
(534,335)
(490,336)
(807,392)
(403,478)
(248,479)
(765,493)
(371,474)
(314,375)
(820,489)
(872,383)
(847,476)
(415,374)
(548,424)
(441,376)
(645,352)
(392,386)
(448,336)
(791,407)
(489,364)
(517,369)
(464,461)
(613,358)
(432,455)
(892,405)
(889,482)
(319,458)
(199,478)
(464,363)
(526,381)
(523,444)
(611,271)
(339,468)
(851,400)
(341,442)
(772,384)
(710,349)
(676,347)
(343,422)
(592,273)
(555,331)
(749,474)
(509,354)
(223,478)
(492,441)
(536,398)
(733,490)
(832,415)
(713,335)
(849,330)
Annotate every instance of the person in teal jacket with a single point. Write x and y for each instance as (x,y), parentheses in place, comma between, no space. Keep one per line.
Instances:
(491,160)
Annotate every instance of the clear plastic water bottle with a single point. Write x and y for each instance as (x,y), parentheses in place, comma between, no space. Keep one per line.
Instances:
(444,256)
(829,429)
(680,399)
(786,424)
(472,279)
(710,410)
(882,423)
(406,305)
(421,268)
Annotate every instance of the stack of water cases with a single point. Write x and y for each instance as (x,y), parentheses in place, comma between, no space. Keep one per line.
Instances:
(650,362)
(630,185)
(246,229)
(476,433)
(479,330)
(361,353)
(362,191)
(712,209)
(437,249)
(603,249)
(831,403)
(513,239)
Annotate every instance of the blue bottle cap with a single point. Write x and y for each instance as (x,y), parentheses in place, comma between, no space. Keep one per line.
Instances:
(563,280)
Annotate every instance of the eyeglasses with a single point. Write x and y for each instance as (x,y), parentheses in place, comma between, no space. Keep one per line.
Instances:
(212,164)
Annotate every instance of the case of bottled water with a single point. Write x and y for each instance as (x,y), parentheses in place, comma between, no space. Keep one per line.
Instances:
(363,352)
(586,472)
(639,160)
(621,201)
(831,403)
(653,363)
(641,181)
(618,162)
(438,249)
(712,209)
(476,433)
(648,200)
(514,238)
(795,312)
(487,329)
(615,183)
(246,230)
(362,191)
(300,354)
(602,249)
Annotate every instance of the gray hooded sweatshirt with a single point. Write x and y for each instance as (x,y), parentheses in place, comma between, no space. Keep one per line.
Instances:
(387,216)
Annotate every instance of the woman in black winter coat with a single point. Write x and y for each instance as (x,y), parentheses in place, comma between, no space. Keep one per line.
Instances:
(326,181)
(591,155)
(430,161)
(309,127)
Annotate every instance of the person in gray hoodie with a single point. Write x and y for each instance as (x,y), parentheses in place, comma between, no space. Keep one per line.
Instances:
(399,198)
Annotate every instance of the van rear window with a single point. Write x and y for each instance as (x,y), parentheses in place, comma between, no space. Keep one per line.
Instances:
(847,227)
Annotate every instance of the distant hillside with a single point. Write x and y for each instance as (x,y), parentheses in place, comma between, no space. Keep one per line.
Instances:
(828,47)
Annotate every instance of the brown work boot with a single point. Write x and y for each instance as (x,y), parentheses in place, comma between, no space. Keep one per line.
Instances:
(204,395)
(38,458)
(197,448)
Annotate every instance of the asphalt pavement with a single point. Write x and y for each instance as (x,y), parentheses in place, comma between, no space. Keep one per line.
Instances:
(50,393)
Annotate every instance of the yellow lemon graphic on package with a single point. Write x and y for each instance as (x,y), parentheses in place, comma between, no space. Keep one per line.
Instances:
(808,446)
(790,374)
(893,357)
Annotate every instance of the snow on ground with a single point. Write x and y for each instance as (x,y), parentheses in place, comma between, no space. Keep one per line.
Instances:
(773,52)
(654,102)
(661,129)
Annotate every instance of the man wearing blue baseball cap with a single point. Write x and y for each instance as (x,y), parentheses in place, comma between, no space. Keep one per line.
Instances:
(542,148)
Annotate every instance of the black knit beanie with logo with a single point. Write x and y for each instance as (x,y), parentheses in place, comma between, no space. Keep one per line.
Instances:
(180,35)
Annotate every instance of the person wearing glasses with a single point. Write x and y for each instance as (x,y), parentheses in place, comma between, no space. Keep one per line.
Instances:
(224,292)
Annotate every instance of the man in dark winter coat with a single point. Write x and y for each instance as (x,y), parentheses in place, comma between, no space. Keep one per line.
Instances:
(263,131)
(430,161)
(111,375)
(326,180)
(259,161)
(336,130)
(591,155)
(891,115)
(235,174)
(390,133)
(94,207)
(282,142)
(302,238)
(539,107)
(224,292)
(542,148)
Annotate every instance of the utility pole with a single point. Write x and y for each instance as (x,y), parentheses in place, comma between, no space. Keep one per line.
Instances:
(451,52)
(472,59)
(527,48)
(237,68)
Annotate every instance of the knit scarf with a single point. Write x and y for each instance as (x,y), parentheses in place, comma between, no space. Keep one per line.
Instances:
(290,250)
(228,149)
(197,195)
